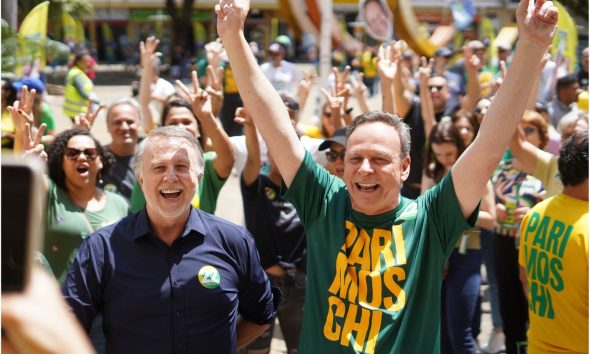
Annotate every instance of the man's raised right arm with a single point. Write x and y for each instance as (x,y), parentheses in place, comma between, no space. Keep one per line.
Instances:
(265,105)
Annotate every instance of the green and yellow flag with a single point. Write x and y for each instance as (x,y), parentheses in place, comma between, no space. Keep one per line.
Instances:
(32,36)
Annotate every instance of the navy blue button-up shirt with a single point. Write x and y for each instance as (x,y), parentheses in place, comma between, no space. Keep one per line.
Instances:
(182,298)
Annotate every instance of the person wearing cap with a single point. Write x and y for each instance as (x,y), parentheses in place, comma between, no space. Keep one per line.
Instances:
(442,56)
(335,146)
(283,75)
(503,54)
(41,108)
(582,72)
(78,87)
(484,76)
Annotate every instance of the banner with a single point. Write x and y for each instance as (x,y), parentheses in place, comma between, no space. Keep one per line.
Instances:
(463,13)
(563,48)
(487,31)
(32,36)
(73,29)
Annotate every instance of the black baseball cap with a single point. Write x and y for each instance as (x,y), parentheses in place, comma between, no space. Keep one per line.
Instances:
(339,137)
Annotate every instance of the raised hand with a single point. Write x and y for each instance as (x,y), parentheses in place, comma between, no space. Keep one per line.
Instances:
(242,117)
(537,22)
(358,86)
(214,51)
(86,120)
(215,87)
(199,99)
(340,81)
(32,141)
(425,71)
(472,62)
(148,54)
(388,61)
(231,15)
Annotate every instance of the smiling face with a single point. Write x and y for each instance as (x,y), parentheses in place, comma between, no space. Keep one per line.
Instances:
(374,169)
(81,171)
(335,167)
(168,178)
(123,124)
(377,19)
(184,118)
(445,154)
(439,92)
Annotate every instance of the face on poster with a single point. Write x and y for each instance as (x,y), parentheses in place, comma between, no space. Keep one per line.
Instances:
(377,18)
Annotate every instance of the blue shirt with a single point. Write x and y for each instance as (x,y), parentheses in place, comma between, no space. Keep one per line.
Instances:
(182,298)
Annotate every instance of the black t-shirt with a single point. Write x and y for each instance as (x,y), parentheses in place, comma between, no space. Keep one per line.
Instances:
(275,225)
(414,120)
(121,177)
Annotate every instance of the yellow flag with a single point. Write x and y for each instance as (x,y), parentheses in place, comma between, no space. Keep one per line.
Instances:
(80,36)
(70,28)
(486,30)
(565,41)
(32,36)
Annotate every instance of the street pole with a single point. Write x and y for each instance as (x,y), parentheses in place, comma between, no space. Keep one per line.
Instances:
(326,42)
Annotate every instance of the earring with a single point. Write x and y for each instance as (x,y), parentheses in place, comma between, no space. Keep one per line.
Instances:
(100,181)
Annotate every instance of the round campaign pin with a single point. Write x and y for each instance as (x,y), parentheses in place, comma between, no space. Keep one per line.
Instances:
(209,277)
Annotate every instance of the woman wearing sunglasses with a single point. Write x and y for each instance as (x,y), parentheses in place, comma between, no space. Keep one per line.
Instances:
(76,205)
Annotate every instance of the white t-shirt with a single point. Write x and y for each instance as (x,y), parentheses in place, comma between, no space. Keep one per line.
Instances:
(285,78)
(162,88)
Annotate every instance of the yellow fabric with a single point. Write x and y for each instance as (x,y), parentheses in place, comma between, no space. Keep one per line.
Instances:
(74,103)
(554,251)
(7,126)
(33,32)
(546,171)
(369,64)
(231,85)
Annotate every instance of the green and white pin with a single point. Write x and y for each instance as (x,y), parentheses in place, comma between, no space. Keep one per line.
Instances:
(209,277)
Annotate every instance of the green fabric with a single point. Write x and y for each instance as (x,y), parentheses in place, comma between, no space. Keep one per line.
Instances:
(47,117)
(208,189)
(67,225)
(373,281)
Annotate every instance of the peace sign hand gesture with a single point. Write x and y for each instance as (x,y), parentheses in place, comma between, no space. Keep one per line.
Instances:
(32,141)
(199,99)
(86,120)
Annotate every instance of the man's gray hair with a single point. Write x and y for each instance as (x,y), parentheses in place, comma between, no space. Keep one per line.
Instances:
(128,101)
(390,119)
(170,132)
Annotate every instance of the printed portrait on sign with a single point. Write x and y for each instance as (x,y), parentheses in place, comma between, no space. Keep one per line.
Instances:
(377,18)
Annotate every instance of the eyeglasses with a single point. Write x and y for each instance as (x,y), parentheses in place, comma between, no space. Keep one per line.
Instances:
(332,156)
(529,130)
(437,87)
(73,153)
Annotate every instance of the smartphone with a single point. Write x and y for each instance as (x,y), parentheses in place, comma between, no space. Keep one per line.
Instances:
(23,199)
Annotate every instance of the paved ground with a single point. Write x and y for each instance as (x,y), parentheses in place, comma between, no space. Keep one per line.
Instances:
(229,205)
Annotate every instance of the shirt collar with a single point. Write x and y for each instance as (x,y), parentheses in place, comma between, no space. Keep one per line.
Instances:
(143,227)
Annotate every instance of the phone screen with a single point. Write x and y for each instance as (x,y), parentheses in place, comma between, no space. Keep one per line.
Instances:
(16,225)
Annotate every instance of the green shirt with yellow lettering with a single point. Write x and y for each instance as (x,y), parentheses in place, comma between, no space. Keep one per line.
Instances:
(373,281)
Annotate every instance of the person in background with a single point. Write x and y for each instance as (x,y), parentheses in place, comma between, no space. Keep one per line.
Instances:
(41,109)
(554,233)
(335,146)
(283,75)
(566,96)
(9,94)
(571,123)
(160,88)
(582,72)
(280,239)
(78,86)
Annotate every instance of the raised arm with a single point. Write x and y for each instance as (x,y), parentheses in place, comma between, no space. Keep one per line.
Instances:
(267,109)
(253,161)
(201,104)
(426,106)
(148,56)
(536,27)
(472,66)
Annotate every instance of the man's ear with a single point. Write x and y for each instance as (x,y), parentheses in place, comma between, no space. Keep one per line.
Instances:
(405,172)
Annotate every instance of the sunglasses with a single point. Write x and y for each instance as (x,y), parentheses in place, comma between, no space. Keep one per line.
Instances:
(332,156)
(73,153)
(437,87)
(529,130)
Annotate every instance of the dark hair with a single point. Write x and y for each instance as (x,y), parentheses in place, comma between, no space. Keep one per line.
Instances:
(442,133)
(289,101)
(79,55)
(470,117)
(390,119)
(12,94)
(565,82)
(573,159)
(56,150)
(175,104)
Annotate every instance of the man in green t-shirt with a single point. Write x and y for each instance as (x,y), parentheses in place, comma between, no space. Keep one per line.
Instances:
(375,259)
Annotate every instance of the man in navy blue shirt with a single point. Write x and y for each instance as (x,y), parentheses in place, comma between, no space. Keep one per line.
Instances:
(171,278)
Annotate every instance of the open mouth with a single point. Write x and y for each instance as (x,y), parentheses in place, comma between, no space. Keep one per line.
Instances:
(366,187)
(170,193)
(82,171)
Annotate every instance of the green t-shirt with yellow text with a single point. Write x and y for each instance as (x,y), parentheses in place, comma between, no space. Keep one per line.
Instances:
(373,281)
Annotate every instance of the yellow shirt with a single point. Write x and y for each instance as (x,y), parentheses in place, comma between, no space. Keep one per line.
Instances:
(547,171)
(7,127)
(554,252)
